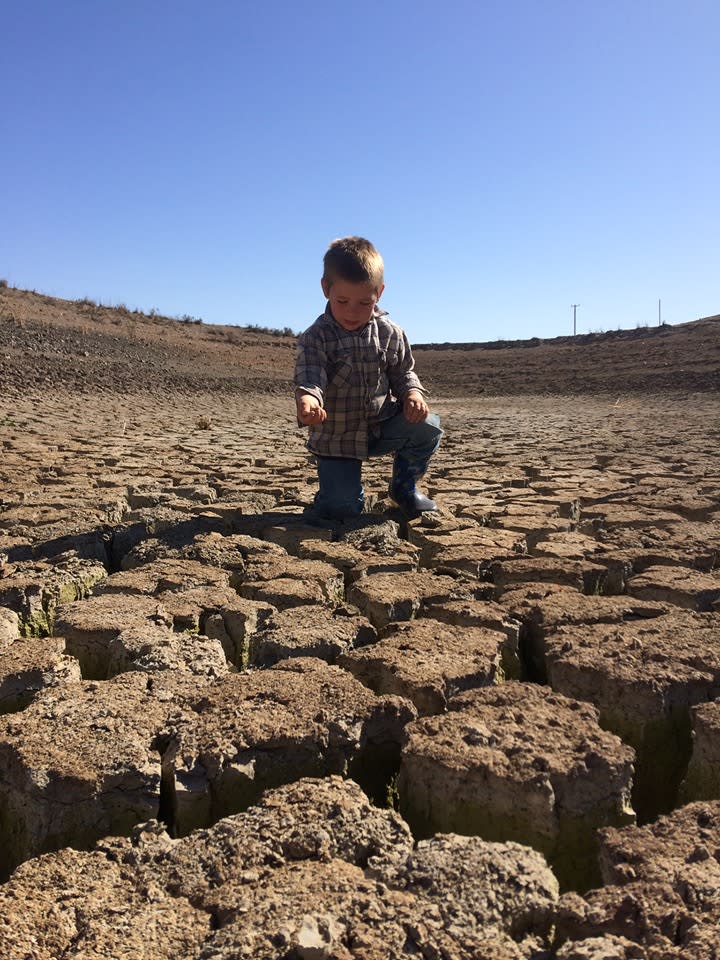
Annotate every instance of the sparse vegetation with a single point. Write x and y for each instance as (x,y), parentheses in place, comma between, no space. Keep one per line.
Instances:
(270,331)
(392,794)
(103,312)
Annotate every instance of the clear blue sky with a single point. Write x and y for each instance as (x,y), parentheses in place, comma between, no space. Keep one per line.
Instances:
(508,157)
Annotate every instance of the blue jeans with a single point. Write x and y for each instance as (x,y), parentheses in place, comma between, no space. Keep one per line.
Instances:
(341,493)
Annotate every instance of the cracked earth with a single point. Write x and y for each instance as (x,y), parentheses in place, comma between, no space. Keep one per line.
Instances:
(490,732)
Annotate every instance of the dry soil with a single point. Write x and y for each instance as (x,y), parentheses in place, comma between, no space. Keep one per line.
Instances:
(490,732)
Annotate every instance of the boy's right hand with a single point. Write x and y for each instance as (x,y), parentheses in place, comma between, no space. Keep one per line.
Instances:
(309,411)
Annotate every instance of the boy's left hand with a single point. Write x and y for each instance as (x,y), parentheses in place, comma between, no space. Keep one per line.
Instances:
(414,408)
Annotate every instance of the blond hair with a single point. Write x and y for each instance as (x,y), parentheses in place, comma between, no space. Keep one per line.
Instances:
(355,260)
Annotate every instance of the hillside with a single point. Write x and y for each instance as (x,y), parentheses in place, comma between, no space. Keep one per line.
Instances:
(647,359)
(83,347)
(86,348)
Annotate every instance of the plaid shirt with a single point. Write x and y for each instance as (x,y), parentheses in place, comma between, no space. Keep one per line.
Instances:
(360,377)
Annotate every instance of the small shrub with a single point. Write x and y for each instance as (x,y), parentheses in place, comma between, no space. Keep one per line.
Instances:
(203,423)
(4,284)
(269,331)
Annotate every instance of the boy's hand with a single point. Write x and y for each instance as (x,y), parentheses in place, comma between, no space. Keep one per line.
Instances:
(309,410)
(414,408)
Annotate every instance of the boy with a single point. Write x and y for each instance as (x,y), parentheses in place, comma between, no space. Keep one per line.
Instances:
(356,389)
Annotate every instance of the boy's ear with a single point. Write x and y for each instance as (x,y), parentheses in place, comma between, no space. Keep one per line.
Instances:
(380,291)
(325,287)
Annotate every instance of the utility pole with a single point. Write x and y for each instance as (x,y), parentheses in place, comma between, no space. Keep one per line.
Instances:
(659,313)
(574,309)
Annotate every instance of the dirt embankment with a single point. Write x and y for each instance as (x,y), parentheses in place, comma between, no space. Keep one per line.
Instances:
(685,357)
(80,346)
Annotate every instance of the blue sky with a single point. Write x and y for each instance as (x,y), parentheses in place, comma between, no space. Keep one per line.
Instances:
(508,158)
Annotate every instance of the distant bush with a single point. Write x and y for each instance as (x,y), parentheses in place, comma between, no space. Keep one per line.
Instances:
(186,318)
(4,284)
(270,331)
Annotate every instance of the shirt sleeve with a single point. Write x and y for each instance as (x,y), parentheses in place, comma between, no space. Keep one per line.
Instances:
(401,371)
(311,366)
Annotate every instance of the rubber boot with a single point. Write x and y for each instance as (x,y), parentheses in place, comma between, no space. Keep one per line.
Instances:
(340,496)
(404,491)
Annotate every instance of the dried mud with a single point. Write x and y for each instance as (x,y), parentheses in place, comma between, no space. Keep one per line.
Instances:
(490,732)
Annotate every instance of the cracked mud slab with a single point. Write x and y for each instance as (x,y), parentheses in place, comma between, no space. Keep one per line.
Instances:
(286,875)
(310,632)
(518,762)
(644,676)
(248,732)
(702,778)
(28,666)
(429,662)
(81,762)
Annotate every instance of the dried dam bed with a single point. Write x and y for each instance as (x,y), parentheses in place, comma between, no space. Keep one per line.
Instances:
(492,732)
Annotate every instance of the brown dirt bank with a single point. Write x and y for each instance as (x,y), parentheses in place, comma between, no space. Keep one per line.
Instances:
(85,348)
(80,346)
(685,357)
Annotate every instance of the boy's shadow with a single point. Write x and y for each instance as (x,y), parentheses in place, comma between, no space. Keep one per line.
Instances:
(110,545)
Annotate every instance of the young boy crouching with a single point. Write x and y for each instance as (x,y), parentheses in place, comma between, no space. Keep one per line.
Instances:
(357,391)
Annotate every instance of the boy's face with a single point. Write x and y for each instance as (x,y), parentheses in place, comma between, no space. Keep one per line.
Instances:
(352,304)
